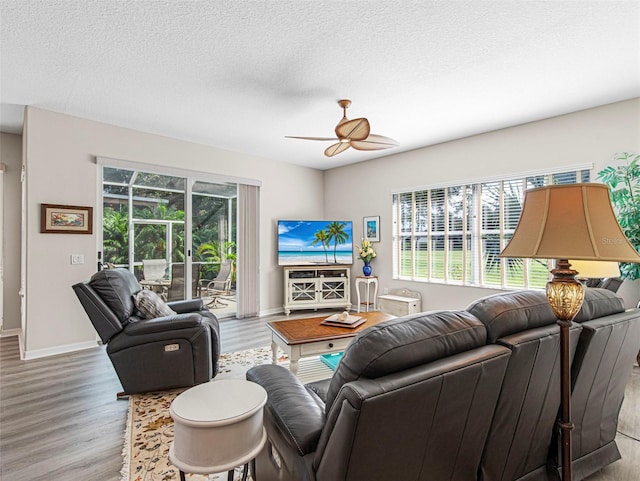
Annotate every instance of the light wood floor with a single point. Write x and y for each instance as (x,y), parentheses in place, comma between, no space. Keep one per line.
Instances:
(59,417)
(60,420)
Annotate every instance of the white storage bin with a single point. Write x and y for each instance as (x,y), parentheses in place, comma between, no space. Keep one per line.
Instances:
(400,302)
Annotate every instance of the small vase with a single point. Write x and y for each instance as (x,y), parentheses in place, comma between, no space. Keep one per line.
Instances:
(366,269)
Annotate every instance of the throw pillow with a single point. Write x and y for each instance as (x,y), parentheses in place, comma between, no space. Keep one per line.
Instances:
(151,304)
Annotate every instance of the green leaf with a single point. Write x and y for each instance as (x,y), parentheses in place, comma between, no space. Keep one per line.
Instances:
(624,183)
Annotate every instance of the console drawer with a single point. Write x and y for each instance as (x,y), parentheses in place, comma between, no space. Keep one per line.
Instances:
(323,347)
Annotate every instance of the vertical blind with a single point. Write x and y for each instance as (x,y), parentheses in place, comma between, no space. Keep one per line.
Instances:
(454,234)
(248,273)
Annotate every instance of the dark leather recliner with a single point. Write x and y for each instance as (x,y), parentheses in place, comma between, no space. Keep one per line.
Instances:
(168,352)
(523,443)
(600,371)
(521,431)
(412,398)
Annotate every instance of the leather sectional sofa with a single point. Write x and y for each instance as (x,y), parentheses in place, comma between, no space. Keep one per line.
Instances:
(455,395)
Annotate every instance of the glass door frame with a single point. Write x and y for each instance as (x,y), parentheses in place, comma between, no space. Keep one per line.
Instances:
(168,224)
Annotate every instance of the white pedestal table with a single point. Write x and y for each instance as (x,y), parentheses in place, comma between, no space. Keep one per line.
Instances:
(217,427)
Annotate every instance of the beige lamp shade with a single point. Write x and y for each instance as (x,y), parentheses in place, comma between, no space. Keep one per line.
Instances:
(573,221)
(595,269)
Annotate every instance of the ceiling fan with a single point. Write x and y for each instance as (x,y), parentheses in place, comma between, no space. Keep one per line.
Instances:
(352,133)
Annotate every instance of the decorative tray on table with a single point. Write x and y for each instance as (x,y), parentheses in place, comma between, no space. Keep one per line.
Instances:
(344,319)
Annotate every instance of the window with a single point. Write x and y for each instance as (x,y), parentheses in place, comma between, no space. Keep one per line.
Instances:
(454,234)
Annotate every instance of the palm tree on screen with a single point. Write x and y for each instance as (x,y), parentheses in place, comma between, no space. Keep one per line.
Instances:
(338,235)
(322,236)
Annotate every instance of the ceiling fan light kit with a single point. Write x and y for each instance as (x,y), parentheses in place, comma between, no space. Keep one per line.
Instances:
(354,133)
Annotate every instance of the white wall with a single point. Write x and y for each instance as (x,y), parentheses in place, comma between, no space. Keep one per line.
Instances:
(11,155)
(60,152)
(364,189)
(60,155)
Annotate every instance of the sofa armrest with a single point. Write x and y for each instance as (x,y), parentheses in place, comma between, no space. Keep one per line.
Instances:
(295,412)
(319,389)
(190,305)
(163,324)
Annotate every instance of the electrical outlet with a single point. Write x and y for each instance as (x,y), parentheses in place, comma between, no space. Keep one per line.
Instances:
(77,259)
(385,290)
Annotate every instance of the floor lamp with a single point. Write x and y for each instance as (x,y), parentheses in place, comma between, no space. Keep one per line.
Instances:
(562,222)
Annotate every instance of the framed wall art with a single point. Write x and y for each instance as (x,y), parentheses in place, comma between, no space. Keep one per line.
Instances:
(371,228)
(66,219)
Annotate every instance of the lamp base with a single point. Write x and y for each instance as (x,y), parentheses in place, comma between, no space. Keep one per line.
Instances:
(564,293)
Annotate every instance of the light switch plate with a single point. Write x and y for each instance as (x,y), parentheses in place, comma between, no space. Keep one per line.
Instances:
(77,259)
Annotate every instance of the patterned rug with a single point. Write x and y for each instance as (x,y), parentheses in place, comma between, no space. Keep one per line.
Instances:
(150,427)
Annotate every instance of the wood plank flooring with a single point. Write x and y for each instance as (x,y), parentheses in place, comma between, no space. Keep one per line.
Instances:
(60,420)
(59,417)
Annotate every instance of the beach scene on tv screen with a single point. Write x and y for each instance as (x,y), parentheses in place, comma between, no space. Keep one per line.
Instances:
(315,242)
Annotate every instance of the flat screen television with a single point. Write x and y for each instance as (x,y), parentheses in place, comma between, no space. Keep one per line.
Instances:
(315,242)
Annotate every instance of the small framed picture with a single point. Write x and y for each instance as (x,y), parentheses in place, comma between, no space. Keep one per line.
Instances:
(66,219)
(371,228)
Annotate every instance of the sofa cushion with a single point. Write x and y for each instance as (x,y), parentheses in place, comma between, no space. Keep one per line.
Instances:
(629,291)
(151,304)
(406,342)
(599,302)
(508,313)
(116,287)
(512,312)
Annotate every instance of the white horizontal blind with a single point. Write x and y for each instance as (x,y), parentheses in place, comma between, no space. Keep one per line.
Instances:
(454,234)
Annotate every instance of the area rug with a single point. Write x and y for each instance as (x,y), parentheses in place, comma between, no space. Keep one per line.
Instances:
(150,427)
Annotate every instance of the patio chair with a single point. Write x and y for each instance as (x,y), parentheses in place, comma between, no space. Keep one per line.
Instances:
(154,269)
(219,286)
(176,288)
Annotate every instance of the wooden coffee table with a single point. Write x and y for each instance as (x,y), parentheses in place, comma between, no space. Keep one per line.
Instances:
(307,337)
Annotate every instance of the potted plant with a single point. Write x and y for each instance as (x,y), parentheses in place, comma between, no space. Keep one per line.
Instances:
(623,180)
(624,184)
(367,254)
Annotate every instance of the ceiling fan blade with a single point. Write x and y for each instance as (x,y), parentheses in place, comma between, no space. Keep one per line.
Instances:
(310,138)
(381,138)
(356,129)
(335,149)
(374,142)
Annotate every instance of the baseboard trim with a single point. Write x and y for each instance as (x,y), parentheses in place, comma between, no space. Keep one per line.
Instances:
(16,331)
(270,312)
(52,351)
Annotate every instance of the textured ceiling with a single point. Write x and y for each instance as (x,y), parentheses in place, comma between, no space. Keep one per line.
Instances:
(240,75)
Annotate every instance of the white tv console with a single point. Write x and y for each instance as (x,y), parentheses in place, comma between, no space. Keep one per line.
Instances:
(308,287)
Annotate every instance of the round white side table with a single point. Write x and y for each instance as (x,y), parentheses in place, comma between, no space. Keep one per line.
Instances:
(217,427)
(367,281)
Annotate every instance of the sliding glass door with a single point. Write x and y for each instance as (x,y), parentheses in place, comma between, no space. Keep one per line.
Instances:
(213,240)
(185,222)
